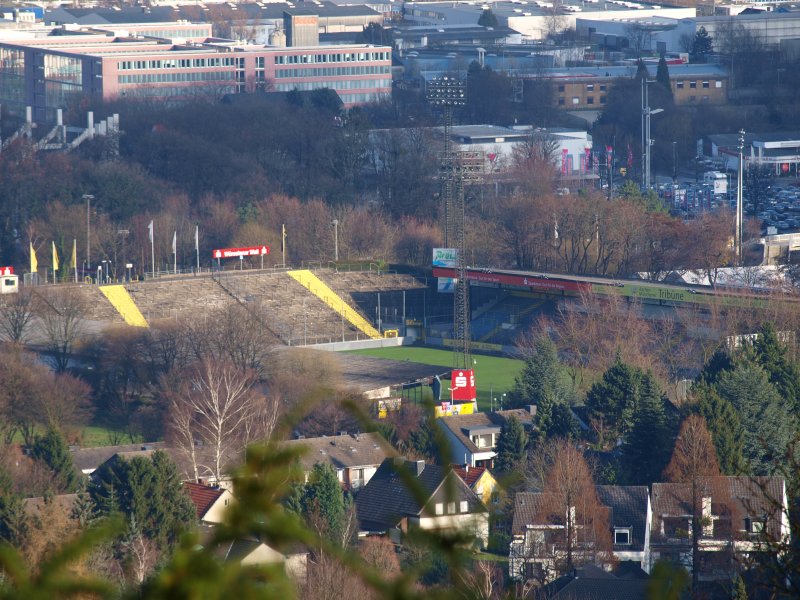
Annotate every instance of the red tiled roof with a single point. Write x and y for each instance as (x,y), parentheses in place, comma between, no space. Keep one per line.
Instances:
(471,475)
(202,496)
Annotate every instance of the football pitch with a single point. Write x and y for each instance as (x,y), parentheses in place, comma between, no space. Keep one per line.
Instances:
(494,376)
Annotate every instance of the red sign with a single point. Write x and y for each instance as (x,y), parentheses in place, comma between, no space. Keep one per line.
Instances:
(237,252)
(530,281)
(463,385)
(6,270)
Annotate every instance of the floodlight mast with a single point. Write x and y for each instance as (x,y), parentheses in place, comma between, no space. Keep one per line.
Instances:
(448,92)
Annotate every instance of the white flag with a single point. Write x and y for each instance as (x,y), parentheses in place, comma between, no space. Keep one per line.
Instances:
(150,229)
(197,237)
(175,242)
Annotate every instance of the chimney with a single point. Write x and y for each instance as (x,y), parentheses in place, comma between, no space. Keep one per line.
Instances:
(532,409)
(708,521)
(420,467)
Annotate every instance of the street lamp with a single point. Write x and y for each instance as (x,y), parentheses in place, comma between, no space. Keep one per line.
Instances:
(647,141)
(88,198)
(335,224)
(124,233)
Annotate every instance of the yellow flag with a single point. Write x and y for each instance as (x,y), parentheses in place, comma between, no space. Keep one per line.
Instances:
(34,262)
(55,257)
(74,264)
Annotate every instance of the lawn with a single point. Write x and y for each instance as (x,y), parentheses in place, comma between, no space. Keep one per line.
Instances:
(494,375)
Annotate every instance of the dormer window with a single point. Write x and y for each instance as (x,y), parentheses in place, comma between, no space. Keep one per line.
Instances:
(622,536)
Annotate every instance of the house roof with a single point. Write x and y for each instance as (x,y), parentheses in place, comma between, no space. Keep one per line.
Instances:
(343,451)
(739,496)
(88,459)
(461,425)
(470,475)
(593,583)
(628,504)
(203,497)
(627,507)
(36,506)
(386,499)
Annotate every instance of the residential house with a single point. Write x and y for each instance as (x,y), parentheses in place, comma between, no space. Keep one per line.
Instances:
(355,457)
(740,515)
(86,460)
(539,547)
(473,438)
(387,505)
(251,552)
(481,481)
(210,502)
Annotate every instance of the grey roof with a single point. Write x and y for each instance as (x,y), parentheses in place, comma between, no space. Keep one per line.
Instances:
(593,583)
(386,499)
(628,504)
(627,507)
(738,497)
(460,425)
(88,459)
(343,451)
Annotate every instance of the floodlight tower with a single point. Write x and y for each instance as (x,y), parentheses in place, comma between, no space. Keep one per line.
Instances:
(739,258)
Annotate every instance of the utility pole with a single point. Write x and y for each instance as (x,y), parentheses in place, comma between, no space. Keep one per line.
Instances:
(335,224)
(88,198)
(739,258)
(283,245)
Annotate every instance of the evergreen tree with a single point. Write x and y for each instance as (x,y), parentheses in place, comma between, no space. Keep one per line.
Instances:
(646,450)
(83,509)
(719,362)
(701,46)
(323,500)
(662,76)
(487,18)
(739,591)
(510,446)
(641,70)
(563,423)
(13,521)
(772,355)
(543,378)
(767,423)
(615,398)
(725,427)
(52,450)
(148,489)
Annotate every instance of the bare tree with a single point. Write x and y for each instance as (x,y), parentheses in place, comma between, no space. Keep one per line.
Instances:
(140,552)
(16,316)
(694,461)
(63,316)
(483,582)
(216,404)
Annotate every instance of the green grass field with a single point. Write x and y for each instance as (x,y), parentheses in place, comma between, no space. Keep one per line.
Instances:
(494,375)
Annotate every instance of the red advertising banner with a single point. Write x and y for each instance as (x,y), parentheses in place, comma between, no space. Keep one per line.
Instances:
(237,252)
(6,270)
(530,281)
(463,385)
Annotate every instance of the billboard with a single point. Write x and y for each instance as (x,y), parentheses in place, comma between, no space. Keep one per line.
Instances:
(237,252)
(463,385)
(445,257)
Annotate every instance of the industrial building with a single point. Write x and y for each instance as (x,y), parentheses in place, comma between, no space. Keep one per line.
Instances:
(176,62)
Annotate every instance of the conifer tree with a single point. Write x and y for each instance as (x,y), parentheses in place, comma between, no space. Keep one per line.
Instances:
(646,449)
(323,501)
(52,450)
(615,398)
(725,427)
(767,424)
(543,378)
(662,76)
(773,357)
(510,446)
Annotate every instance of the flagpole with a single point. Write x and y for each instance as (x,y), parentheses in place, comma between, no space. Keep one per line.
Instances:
(175,252)
(197,245)
(75,258)
(152,249)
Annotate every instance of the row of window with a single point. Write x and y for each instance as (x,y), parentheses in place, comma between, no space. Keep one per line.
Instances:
(361,84)
(589,87)
(451,508)
(693,84)
(295,59)
(176,77)
(182,63)
(183,91)
(62,68)
(174,33)
(576,100)
(12,61)
(332,71)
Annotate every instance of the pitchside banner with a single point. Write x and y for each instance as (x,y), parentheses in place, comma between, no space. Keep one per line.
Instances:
(463,386)
(445,257)
(237,252)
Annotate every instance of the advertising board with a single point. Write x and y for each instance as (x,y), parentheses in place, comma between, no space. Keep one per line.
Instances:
(238,252)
